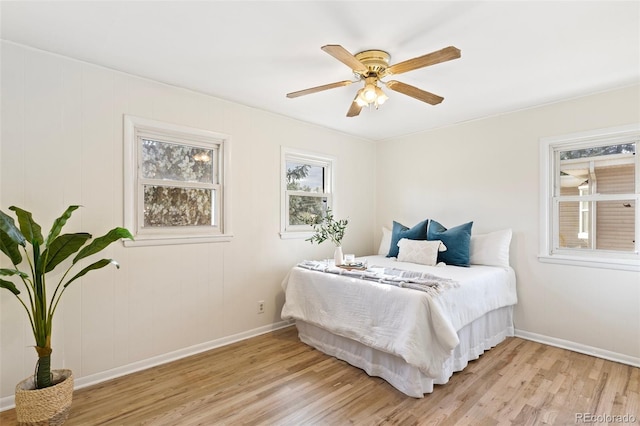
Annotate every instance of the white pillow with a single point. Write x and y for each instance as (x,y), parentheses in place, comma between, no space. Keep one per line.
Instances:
(490,249)
(420,251)
(385,242)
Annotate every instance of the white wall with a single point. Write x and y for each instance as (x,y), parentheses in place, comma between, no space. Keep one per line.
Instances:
(488,171)
(62,144)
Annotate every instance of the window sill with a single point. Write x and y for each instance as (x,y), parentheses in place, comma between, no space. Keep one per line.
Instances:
(143,241)
(592,262)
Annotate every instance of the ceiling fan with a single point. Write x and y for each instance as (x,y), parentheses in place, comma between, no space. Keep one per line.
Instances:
(371,66)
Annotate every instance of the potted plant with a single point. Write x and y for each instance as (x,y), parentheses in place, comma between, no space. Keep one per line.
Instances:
(39,398)
(327,228)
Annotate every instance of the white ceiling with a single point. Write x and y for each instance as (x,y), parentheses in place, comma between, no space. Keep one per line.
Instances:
(515,54)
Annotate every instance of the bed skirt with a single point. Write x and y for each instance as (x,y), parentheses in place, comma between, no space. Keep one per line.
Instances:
(475,338)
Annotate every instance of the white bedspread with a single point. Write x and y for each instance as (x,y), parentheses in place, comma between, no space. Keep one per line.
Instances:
(420,328)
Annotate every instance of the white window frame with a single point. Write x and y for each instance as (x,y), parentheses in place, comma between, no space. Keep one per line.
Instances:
(136,128)
(584,229)
(292,154)
(549,168)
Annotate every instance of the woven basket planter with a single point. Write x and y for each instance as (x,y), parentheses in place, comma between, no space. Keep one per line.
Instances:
(45,407)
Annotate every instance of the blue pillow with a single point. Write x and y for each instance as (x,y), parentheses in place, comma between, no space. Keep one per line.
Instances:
(457,240)
(399,231)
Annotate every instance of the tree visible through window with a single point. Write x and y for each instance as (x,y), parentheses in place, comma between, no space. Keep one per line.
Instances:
(307,189)
(179,188)
(303,208)
(174,181)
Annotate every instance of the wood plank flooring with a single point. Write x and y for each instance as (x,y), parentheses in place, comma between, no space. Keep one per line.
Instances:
(274,379)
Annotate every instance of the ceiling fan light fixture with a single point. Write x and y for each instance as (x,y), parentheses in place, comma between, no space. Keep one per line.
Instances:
(360,99)
(369,93)
(381,97)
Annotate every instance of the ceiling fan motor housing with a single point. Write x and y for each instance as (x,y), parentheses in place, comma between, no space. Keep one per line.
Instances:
(376,61)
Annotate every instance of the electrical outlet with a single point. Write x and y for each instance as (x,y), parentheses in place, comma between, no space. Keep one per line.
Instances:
(261,306)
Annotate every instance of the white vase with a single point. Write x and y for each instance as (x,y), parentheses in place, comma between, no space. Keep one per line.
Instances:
(337,256)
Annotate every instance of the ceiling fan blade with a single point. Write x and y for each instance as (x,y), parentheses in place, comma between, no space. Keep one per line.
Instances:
(442,55)
(319,88)
(354,109)
(414,92)
(344,56)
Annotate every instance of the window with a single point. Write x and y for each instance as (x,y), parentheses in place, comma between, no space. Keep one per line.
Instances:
(589,196)
(175,183)
(306,190)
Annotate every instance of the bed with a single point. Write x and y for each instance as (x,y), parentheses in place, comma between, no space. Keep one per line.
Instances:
(412,337)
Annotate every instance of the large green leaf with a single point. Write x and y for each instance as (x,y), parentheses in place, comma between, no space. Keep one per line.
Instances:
(101,243)
(39,290)
(96,265)
(9,247)
(9,286)
(10,272)
(63,247)
(8,225)
(59,223)
(30,229)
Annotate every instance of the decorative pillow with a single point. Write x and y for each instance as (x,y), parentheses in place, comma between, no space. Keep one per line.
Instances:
(385,242)
(399,231)
(457,240)
(490,249)
(422,252)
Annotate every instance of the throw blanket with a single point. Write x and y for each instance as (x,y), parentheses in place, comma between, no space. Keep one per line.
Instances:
(422,281)
(417,326)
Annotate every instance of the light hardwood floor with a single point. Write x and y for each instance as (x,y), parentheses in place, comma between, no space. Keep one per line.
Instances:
(274,379)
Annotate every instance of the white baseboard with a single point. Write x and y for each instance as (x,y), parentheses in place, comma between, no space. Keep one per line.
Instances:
(8,402)
(577,347)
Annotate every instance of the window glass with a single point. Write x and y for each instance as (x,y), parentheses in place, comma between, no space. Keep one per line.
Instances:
(305,177)
(606,169)
(169,161)
(169,206)
(615,225)
(303,208)
(598,151)
(597,223)
(307,191)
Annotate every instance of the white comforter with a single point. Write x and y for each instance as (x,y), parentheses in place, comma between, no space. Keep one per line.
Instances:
(411,324)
